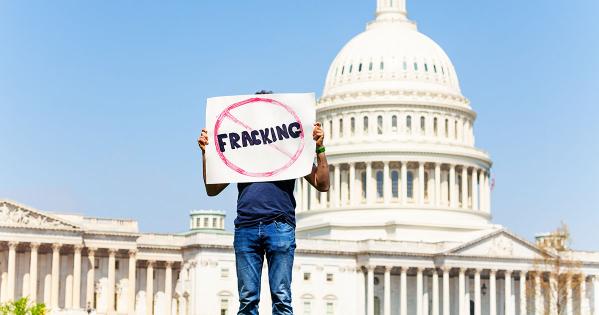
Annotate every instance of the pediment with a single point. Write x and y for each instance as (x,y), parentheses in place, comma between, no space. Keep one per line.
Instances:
(13,214)
(499,244)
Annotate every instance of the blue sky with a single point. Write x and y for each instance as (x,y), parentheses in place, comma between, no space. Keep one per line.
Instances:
(101,102)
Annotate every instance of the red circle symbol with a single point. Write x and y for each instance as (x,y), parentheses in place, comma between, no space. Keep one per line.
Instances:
(262,101)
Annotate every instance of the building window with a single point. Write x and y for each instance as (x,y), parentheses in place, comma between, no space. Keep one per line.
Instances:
(97,263)
(352,123)
(409,124)
(342,70)
(442,70)
(117,264)
(307,308)
(460,183)
(426,185)
(379,125)
(351,67)
(455,129)
(377,305)
(382,65)
(224,272)
(422,124)
(363,185)
(426,67)
(198,223)
(435,68)
(214,223)
(415,66)
(307,276)
(330,129)
(370,66)
(405,66)
(205,222)
(410,184)
(395,184)
(446,128)
(379,184)
(329,277)
(435,126)
(224,306)
(330,308)
(340,127)
(360,68)
(365,125)
(394,123)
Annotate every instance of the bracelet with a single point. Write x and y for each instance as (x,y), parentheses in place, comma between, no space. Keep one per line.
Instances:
(320,150)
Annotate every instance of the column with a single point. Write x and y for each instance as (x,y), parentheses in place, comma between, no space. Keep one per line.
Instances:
(523,296)
(452,191)
(508,293)
(150,288)
(464,187)
(33,272)
(361,278)
(351,183)
(595,295)
(477,298)
(313,200)
(370,290)
(419,291)
(77,276)
(168,287)
(421,183)
(446,291)
(111,278)
(12,270)
(404,183)
(537,297)
(583,295)
(475,189)
(387,288)
(489,195)
(369,182)
(569,296)
(91,261)
(437,184)
(386,183)
(482,190)
(493,292)
(435,292)
(131,285)
(55,276)
(553,284)
(403,291)
(426,294)
(461,292)
(336,197)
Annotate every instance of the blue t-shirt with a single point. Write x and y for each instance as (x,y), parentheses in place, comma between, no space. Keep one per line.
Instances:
(265,202)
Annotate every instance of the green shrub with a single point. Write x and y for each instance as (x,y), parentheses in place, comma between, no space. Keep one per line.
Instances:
(22,306)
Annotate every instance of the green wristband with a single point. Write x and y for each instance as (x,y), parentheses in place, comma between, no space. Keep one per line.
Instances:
(320,150)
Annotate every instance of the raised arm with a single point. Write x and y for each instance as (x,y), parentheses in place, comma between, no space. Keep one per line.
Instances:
(319,177)
(211,189)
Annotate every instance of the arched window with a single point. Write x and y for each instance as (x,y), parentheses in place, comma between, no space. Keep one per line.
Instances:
(395,184)
(340,127)
(379,184)
(342,70)
(352,123)
(379,125)
(363,183)
(455,129)
(330,129)
(394,123)
(370,66)
(224,307)
(410,184)
(307,308)
(422,124)
(382,65)
(409,124)
(405,66)
(330,308)
(365,125)
(415,66)
(426,185)
(426,67)
(436,126)
(435,68)
(351,67)
(446,128)
(460,181)
(360,68)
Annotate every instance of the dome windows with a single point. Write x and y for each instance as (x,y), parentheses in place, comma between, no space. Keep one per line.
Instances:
(415,66)
(365,125)
(382,65)
(351,67)
(352,123)
(436,126)
(342,70)
(394,123)
(340,127)
(360,68)
(410,185)
(379,184)
(405,66)
(425,67)
(395,184)
(370,66)
(409,124)
(379,125)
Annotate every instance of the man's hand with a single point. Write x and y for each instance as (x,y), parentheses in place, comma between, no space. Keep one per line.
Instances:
(203,140)
(318,135)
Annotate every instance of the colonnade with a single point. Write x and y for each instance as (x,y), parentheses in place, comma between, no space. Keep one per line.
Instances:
(433,290)
(416,183)
(72,288)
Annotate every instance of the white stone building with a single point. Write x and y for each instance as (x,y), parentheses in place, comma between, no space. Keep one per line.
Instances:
(405,229)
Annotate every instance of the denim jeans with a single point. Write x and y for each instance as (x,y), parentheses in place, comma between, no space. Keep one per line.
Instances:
(276,241)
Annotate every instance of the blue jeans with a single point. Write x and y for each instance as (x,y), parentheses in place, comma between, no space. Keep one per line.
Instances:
(276,241)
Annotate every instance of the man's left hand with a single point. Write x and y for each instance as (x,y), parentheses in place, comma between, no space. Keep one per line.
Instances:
(318,135)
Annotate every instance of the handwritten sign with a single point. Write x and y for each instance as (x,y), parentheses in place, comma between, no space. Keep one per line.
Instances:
(257,138)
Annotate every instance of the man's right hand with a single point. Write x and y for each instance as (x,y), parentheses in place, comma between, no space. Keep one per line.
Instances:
(203,140)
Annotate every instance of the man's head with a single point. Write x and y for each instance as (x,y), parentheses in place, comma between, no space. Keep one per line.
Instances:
(262,92)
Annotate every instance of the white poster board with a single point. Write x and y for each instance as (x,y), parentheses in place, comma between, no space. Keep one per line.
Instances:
(258,138)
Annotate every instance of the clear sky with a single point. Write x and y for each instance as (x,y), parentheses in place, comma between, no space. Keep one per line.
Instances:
(101,101)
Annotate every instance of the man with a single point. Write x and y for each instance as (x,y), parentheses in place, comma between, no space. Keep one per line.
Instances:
(265,226)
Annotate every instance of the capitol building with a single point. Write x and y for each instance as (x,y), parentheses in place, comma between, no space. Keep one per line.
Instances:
(406,228)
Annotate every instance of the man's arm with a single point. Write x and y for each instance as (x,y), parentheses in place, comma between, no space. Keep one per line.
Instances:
(319,177)
(211,189)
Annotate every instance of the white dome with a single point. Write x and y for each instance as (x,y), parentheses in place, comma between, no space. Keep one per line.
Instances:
(391,56)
